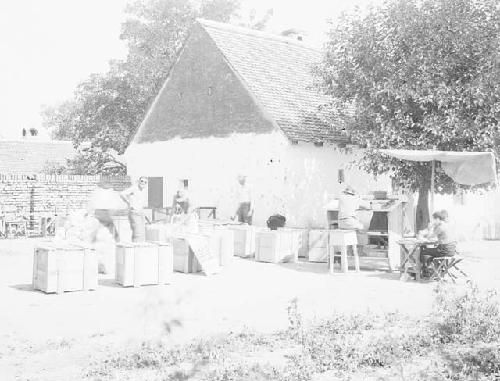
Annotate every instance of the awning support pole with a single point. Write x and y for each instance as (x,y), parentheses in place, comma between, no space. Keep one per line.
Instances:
(433,174)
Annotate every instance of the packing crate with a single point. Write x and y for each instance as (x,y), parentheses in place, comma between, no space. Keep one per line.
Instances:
(184,259)
(194,252)
(244,240)
(276,246)
(143,263)
(223,243)
(226,253)
(61,266)
(318,242)
(300,242)
(159,232)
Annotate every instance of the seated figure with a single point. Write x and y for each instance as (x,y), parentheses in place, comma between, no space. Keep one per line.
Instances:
(441,231)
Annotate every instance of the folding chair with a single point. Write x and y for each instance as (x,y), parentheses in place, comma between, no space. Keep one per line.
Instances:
(446,267)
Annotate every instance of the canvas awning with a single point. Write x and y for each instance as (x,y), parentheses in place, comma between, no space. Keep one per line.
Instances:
(467,168)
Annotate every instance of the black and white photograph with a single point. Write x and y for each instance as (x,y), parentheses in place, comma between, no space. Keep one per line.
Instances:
(249,190)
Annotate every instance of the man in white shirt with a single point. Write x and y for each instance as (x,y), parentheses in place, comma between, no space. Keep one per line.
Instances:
(244,211)
(349,203)
(136,197)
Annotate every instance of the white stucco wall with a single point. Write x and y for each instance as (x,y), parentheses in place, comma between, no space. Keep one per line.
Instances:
(294,180)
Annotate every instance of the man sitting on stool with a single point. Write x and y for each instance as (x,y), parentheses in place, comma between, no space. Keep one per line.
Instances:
(349,203)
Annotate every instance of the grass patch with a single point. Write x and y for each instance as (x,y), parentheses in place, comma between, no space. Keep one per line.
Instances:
(460,337)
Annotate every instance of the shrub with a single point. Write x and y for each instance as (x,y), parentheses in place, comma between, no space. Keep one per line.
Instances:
(479,361)
(466,316)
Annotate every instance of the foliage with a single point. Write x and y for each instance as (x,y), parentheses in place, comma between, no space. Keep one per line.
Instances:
(342,346)
(467,316)
(417,74)
(107,108)
(52,168)
(94,162)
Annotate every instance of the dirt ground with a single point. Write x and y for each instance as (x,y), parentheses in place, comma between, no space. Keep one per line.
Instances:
(56,337)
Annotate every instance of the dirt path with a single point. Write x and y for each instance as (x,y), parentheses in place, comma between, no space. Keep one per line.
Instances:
(54,337)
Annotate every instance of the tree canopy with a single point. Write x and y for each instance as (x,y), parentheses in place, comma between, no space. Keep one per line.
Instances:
(107,108)
(416,74)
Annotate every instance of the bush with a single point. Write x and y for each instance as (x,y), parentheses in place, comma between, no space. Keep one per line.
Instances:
(479,361)
(466,316)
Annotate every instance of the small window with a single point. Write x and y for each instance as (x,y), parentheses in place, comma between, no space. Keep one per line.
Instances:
(318,144)
(295,142)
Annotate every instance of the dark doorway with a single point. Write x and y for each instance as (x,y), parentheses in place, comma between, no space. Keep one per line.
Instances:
(155,192)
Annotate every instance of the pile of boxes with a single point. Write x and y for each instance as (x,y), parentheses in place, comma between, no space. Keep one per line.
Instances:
(64,266)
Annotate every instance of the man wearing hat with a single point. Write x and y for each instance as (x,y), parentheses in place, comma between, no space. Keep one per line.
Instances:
(349,203)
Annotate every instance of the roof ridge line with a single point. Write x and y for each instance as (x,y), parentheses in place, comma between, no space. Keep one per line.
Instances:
(255,33)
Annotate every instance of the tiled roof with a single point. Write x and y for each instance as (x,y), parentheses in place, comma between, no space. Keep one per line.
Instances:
(278,72)
(31,156)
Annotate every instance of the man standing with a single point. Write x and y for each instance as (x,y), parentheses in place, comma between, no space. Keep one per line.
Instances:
(349,203)
(136,197)
(244,211)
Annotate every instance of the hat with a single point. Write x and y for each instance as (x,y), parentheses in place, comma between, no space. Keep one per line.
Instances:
(349,190)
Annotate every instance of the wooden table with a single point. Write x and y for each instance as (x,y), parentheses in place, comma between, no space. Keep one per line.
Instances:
(411,248)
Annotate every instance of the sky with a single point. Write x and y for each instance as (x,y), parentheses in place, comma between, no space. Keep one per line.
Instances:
(49,46)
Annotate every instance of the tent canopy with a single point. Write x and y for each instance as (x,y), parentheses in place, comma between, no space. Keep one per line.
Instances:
(467,168)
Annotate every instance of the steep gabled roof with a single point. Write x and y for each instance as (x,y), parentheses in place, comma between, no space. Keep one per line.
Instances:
(32,156)
(278,72)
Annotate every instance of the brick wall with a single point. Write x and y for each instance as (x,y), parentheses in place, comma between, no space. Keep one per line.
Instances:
(33,197)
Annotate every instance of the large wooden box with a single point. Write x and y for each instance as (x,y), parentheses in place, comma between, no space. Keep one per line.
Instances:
(244,240)
(143,263)
(159,232)
(300,242)
(222,243)
(60,267)
(276,246)
(184,259)
(226,254)
(318,246)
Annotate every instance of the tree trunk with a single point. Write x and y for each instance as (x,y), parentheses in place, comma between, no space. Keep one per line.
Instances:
(422,214)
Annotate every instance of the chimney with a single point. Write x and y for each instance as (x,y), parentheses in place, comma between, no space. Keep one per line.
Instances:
(294,33)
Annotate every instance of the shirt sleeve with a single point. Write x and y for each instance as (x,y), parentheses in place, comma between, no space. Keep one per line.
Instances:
(127,192)
(364,204)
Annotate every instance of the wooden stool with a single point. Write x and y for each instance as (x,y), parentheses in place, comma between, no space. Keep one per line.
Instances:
(443,267)
(342,238)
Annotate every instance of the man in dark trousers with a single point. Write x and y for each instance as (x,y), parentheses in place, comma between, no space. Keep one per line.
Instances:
(136,197)
(244,212)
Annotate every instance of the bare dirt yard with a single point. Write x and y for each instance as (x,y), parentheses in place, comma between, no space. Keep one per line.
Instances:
(60,337)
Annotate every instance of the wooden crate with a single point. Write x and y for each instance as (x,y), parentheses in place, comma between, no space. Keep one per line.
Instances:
(276,246)
(159,232)
(222,242)
(184,259)
(60,267)
(226,254)
(244,240)
(143,263)
(300,242)
(318,242)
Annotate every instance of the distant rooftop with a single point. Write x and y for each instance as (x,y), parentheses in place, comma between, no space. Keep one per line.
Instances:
(31,156)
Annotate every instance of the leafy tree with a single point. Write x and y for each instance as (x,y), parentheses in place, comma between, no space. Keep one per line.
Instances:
(416,74)
(107,108)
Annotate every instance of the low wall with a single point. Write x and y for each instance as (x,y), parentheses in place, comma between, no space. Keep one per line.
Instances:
(31,197)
